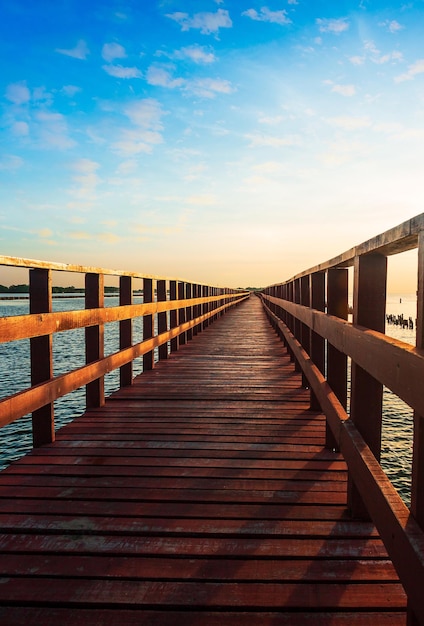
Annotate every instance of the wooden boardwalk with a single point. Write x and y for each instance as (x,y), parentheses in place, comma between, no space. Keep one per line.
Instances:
(201,495)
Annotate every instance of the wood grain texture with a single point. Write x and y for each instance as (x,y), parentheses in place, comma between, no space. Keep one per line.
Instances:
(202,494)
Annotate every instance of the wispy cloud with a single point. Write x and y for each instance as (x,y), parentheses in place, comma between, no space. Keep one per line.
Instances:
(20,129)
(272,141)
(80,51)
(266,15)
(18,93)
(209,87)
(413,70)
(53,131)
(207,23)
(335,26)
(86,179)
(197,54)
(344,90)
(349,122)
(391,25)
(146,117)
(10,162)
(118,71)
(112,51)
(162,77)
(70,90)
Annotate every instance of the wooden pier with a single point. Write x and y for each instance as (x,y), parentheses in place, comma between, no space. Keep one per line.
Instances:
(237,480)
(201,494)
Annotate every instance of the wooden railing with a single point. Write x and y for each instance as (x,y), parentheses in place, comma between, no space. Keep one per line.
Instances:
(172,311)
(310,312)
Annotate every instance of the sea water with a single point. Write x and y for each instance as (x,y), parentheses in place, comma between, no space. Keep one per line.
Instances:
(69,353)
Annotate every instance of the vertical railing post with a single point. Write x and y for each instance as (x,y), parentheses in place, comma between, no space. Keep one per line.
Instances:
(125,329)
(205,308)
(305,332)
(417,484)
(290,318)
(317,287)
(148,358)
(173,315)
(189,310)
(181,313)
(162,318)
(94,338)
(369,310)
(41,349)
(337,305)
(296,322)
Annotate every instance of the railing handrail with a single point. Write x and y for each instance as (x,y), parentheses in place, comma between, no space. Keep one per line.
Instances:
(398,239)
(20,262)
(180,309)
(310,312)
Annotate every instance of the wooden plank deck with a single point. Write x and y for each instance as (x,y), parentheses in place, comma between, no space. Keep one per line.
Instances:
(201,495)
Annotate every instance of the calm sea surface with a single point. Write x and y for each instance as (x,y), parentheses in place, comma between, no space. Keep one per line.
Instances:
(68,353)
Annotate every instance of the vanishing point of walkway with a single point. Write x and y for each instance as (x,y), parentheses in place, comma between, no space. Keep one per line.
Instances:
(201,495)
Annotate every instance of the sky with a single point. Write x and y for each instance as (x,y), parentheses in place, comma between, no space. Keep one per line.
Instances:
(226,142)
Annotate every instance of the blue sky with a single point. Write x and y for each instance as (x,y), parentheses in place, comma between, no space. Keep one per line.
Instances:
(224,141)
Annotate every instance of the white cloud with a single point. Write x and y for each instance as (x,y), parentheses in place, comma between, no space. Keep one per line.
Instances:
(112,51)
(207,23)
(209,87)
(375,55)
(161,77)
(197,54)
(146,113)
(80,51)
(348,122)
(335,26)
(20,129)
(357,60)
(266,15)
(271,121)
(391,25)
(86,179)
(146,116)
(118,71)
(413,70)
(53,131)
(71,90)
(127,167)
(202,200)
(10,162)
(258,139)
(18,93)
(344,90)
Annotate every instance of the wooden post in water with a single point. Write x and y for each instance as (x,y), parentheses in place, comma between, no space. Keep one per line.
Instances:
(148,358)
(337,305)
(317,343)
(41,349)
(125,329)
(369,310)
(162,321)
(94,338)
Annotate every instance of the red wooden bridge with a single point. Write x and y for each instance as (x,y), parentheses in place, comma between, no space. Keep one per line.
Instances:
(226,484)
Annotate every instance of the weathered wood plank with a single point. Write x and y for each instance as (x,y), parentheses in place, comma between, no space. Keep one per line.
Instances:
(202,494)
